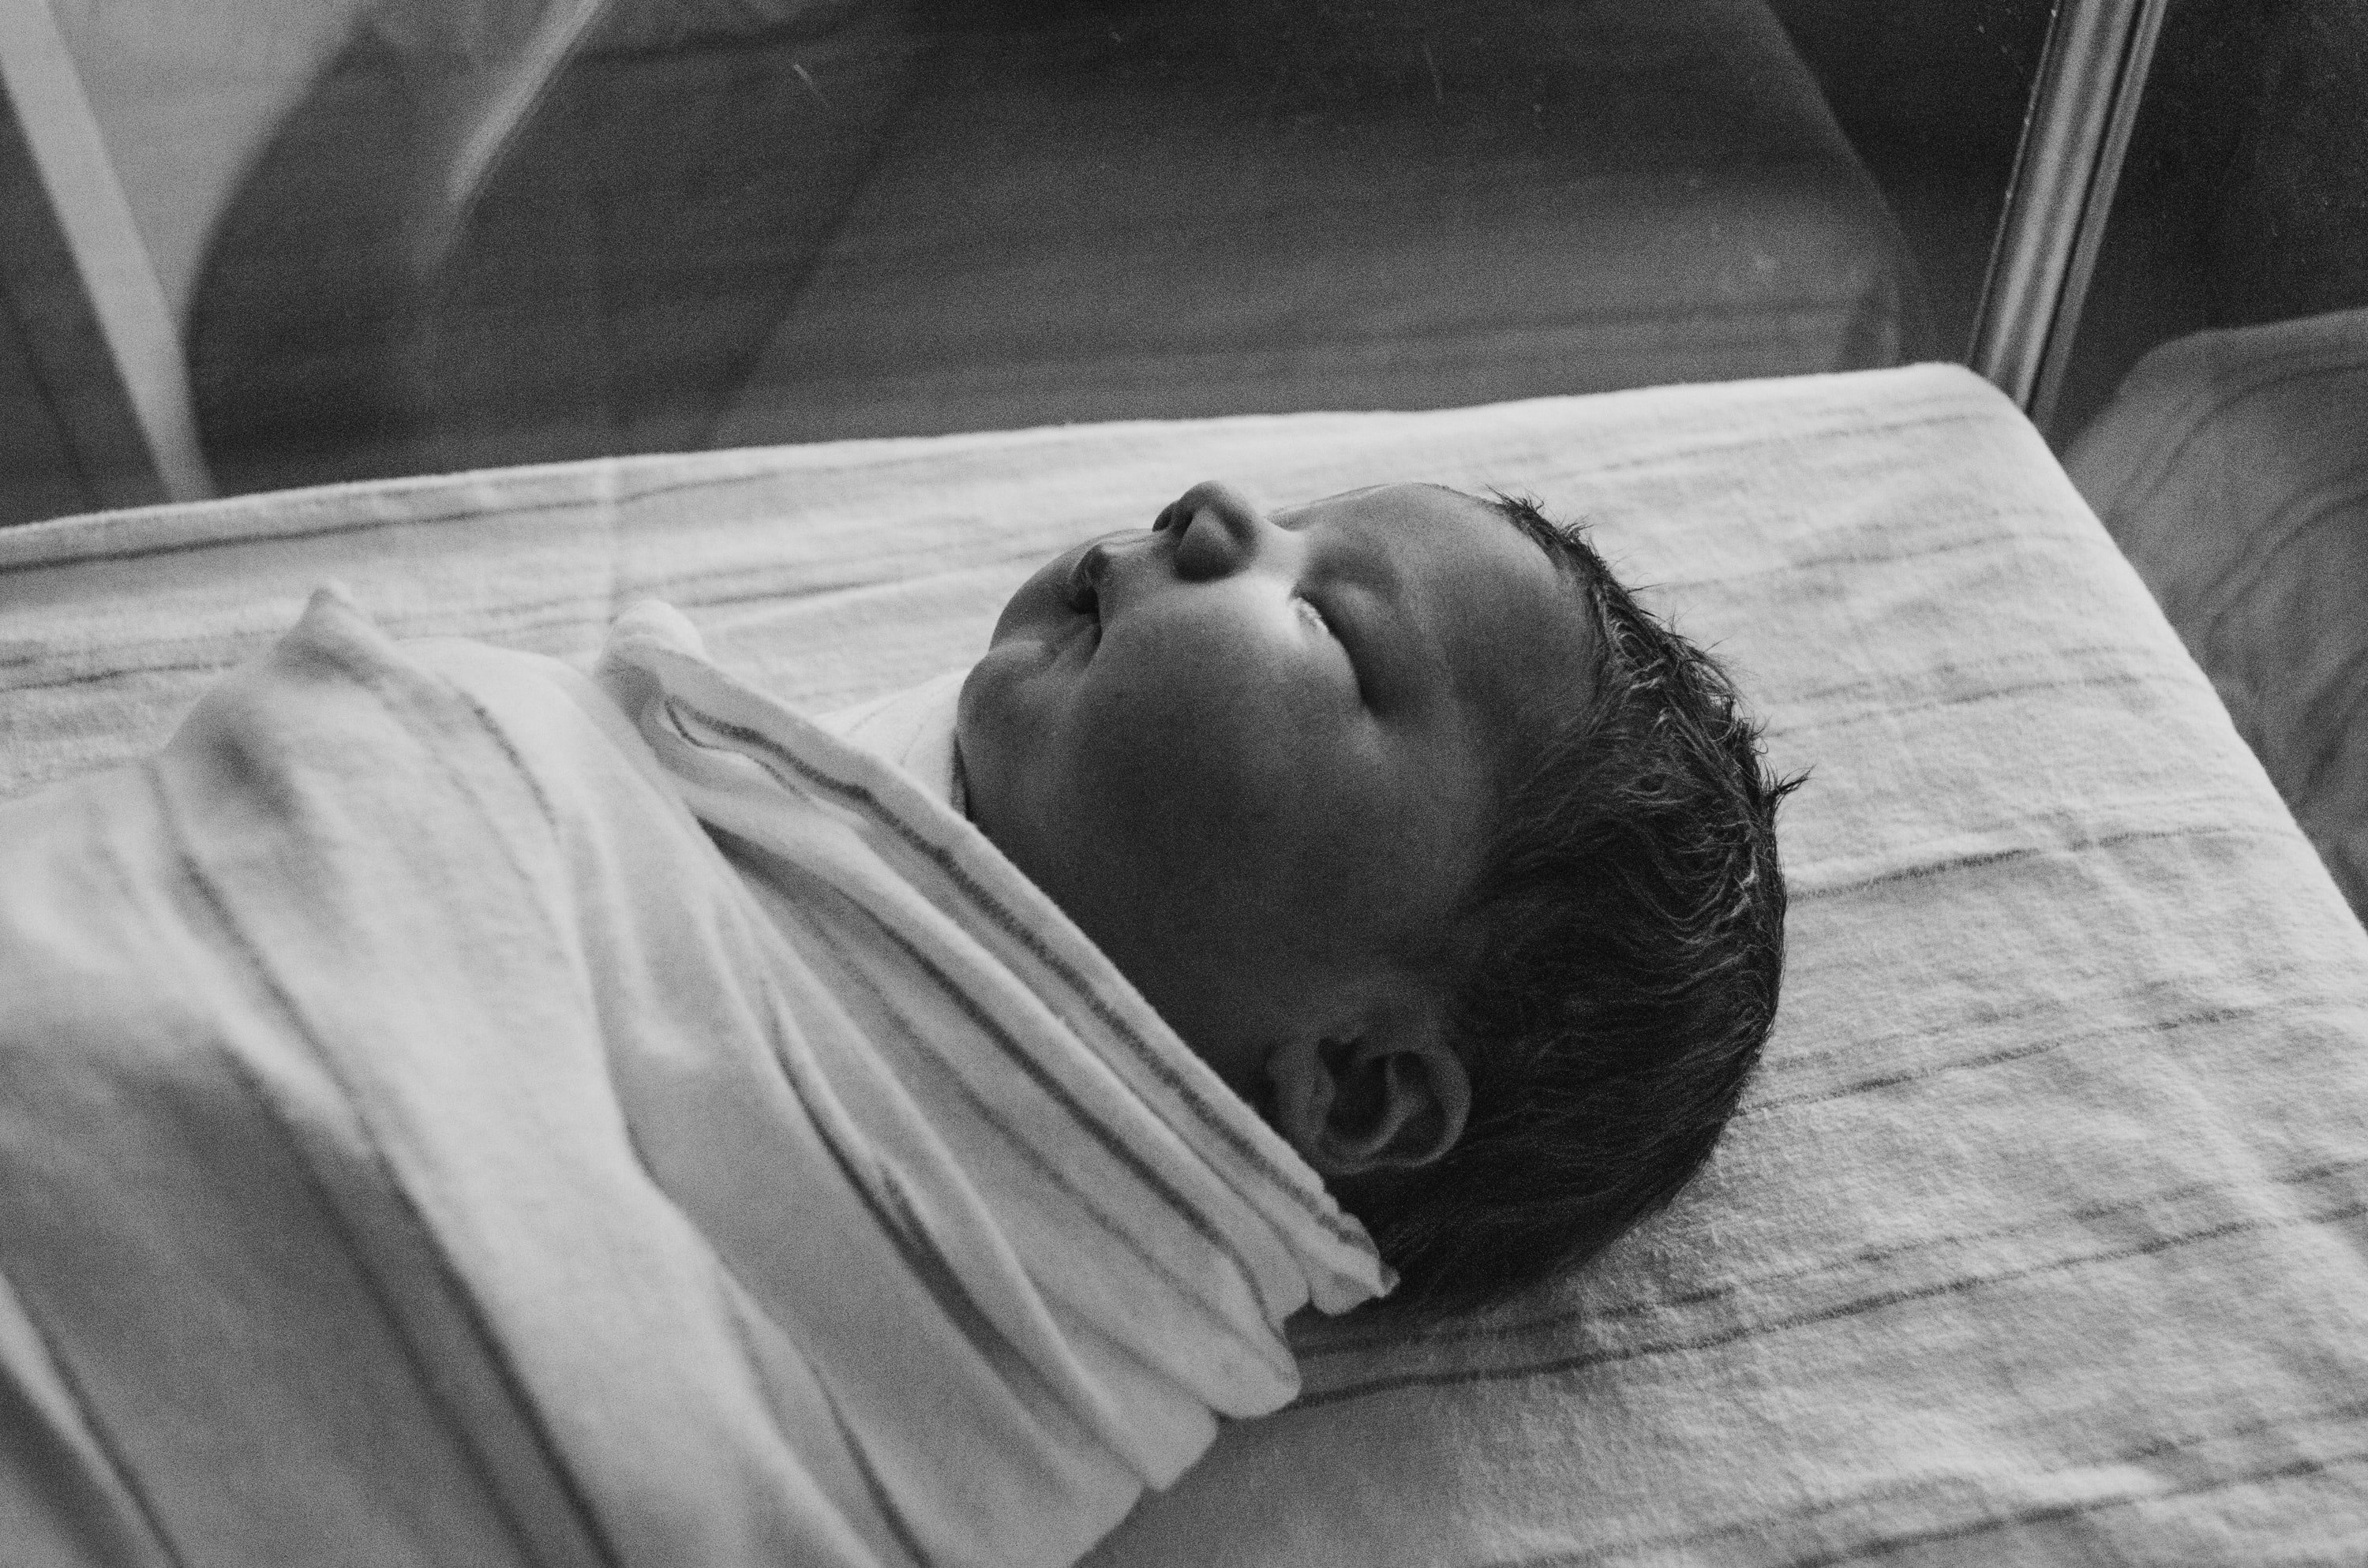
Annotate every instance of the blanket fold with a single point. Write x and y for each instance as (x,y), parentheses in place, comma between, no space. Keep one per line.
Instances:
(462,1110)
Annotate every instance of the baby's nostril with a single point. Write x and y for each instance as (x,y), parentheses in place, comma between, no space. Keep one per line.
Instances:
(1083,585)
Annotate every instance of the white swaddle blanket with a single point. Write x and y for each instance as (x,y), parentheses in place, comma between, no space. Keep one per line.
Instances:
(914,729)
(419,1139)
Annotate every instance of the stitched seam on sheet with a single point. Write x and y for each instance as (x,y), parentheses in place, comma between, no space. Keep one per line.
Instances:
(237,645)
(94,678)
(2010,1053)
(1862,1257)
(1988,518)
(2149,1026)
(1879,688)
(455,1289)
(1103,1220)
(623,498)
(1588,1360)
(1797,1062)
(2016,543)
(1854,423)
(1018,930)
(2153,1449)
(1820,724)
(352,526)
(1884,1548)
(666,588)
(1983,858)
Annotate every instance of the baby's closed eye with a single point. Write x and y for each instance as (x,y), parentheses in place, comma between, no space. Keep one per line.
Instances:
(1322,623)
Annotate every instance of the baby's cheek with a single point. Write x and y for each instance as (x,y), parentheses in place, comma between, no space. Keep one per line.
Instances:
(1173,781)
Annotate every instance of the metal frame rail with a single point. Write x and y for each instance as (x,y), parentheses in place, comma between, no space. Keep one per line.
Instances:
(2074,136)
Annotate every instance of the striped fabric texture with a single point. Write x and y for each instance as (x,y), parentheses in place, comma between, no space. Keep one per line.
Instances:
(2039,1239)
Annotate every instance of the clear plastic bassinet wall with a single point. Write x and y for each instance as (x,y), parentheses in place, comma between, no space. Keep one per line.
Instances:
(267,243)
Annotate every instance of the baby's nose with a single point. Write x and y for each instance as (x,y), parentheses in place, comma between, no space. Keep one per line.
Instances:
(1217,529)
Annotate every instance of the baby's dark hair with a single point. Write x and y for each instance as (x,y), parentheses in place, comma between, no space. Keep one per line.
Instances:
(1617,962)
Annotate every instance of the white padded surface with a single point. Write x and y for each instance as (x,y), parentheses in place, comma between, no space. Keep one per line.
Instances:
(2040,1237)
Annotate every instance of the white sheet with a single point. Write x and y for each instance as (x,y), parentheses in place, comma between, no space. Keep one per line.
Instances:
(2039,1239)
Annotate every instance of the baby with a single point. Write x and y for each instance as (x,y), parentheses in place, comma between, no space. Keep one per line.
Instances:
(1454,861)
(455,1101)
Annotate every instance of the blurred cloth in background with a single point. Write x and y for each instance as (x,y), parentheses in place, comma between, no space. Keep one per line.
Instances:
(793,222)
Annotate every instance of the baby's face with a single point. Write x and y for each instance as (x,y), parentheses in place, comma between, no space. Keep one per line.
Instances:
(1253,755)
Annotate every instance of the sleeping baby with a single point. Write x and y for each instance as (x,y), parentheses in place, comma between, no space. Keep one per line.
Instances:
(1449,857)
(458,1107)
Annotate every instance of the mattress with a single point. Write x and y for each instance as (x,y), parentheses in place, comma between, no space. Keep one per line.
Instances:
(2040,1235)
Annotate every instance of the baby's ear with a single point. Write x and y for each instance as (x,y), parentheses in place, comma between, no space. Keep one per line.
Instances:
(1393,1098)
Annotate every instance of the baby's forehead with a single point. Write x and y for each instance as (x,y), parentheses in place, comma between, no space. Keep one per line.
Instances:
(1511,600)
(1406,503)
(1513,542)
(1421,508)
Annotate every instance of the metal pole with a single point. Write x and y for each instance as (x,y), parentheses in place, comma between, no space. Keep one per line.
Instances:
(105,276)
(2091,79)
